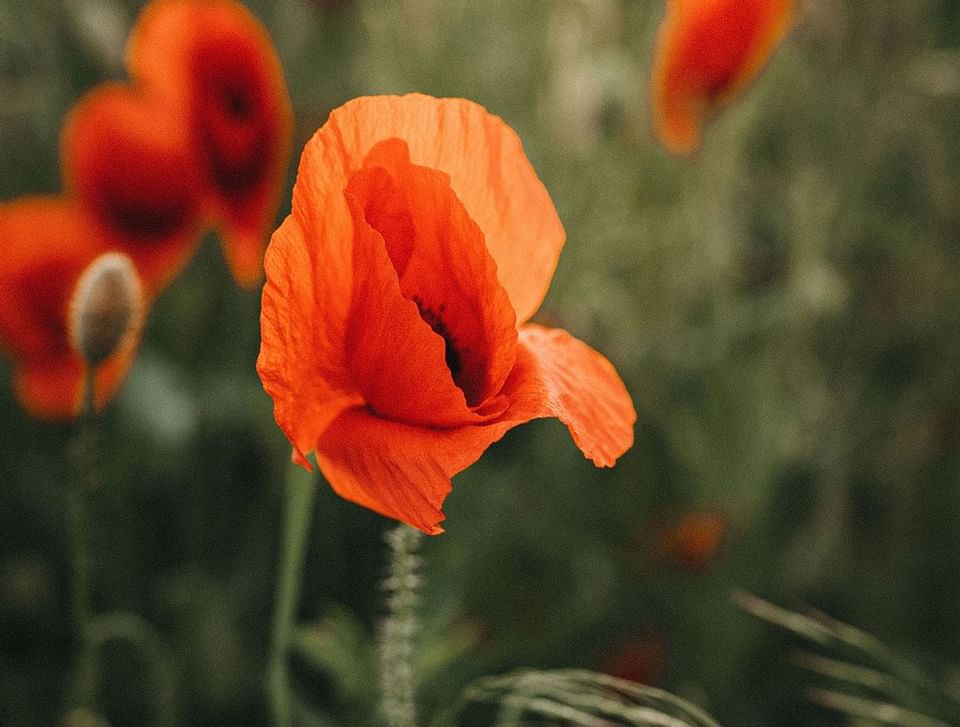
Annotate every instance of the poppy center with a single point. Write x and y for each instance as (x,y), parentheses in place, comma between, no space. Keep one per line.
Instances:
(433,319)
(420,242)
(234,130)
(441,263)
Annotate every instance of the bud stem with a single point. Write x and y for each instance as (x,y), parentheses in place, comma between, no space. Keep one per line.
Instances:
(84,482)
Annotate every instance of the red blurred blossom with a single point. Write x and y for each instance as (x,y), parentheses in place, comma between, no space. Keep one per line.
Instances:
(395,341)
(125,158)
(643,659)
(692,541)
(48,242)
(214,62)
(706,52)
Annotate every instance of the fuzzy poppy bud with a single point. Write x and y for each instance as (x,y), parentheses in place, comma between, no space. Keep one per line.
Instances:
(106,307)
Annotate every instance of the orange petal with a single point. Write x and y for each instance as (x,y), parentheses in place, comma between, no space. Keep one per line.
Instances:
(707,51)
(48,242)
(403,471)
(394,359)
(215,61)
(302,360)
(488,170)
(127,161)
(560,376)
(438,254)
(399,470)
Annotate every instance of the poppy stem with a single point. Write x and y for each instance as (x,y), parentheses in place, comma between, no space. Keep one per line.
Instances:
(397,690)
(84,452)
(299,493)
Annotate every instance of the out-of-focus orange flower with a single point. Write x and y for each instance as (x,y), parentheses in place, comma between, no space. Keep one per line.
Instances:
(692,541)
(127,161)
(214,61)
(707,51)
(47,243)
(395,341)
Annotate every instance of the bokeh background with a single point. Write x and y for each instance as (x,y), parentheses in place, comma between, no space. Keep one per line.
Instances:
(784,308)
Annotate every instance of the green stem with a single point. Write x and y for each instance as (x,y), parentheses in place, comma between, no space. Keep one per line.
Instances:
(81,692)
(298,509)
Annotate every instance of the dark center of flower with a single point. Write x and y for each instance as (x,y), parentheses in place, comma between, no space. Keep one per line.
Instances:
(236,103)
(234,127)
(433,319)
(144,196)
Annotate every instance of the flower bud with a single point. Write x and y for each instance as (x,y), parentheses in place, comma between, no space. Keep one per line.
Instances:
(106,309)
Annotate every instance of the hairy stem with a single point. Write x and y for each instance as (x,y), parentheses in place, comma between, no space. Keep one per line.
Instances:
(399,627)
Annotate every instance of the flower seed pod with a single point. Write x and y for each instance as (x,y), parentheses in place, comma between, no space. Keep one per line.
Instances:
(106,309)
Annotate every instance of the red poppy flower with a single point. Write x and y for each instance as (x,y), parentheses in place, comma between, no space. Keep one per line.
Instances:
(395,341)
(707,51)
(215,61)
(693,541)
(48,242)
(126,159)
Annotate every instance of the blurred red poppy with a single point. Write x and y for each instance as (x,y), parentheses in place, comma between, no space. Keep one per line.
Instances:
(395,341)
(643,659)
(693,541)
(126,160)
(213,60)
(48,242)
(706,52)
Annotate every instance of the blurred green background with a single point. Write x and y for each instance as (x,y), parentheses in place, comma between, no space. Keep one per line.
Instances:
(784,308)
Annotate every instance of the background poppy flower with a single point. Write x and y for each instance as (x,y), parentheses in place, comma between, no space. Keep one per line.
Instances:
(706,52)
(394,334)
(692,541)
(48,242)
(214,60)
(127,160)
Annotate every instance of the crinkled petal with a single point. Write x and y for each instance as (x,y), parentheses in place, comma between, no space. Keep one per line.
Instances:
(706,52)
(438,261)
(488,170)
(560,376)
(404,471)
(399,470)
(393,356)
(302,361)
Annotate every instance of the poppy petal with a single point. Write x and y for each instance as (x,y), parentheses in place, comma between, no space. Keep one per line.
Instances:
(403,471)
(396,469)
(488,170)
(558,375)
(302,360)
(127,162)
(706,52)
(393,357)
(216,61)
(439,256)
